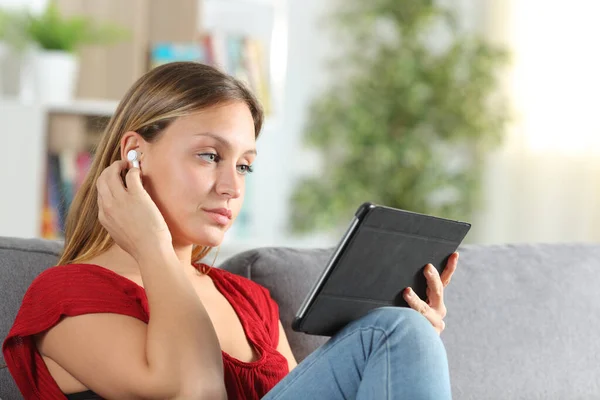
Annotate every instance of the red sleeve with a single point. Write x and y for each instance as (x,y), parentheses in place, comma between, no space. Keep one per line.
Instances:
(271,312)
(58,292)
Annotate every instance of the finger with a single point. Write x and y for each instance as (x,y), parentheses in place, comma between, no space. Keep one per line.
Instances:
(416,303)
(134,180)
(441,326)
(104,192)
(101,214)
(435,289)
(449,269)
(424,309)
(113,177)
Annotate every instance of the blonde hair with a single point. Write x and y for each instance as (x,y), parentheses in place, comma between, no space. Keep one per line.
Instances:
(151,104)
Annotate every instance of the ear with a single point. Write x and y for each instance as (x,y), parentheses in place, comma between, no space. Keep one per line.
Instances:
(132,141)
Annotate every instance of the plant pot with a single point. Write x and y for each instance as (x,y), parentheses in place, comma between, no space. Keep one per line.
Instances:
(55,76)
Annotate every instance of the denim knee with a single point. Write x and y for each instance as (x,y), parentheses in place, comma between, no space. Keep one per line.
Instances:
(395,319)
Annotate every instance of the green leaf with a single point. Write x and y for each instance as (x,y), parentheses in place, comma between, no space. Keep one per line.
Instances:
(52,31)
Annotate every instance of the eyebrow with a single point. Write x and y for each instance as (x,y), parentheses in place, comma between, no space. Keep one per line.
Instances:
(223,141)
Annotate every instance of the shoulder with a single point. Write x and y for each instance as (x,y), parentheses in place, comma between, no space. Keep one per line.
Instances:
(62,273)
(78,279)
(72,290)
(76,289)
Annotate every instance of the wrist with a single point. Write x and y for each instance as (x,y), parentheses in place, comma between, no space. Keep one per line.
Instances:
(155,252)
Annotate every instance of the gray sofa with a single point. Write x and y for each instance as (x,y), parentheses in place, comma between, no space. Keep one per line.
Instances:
(522,319)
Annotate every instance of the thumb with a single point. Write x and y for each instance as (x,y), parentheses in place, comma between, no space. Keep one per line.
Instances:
(133,178)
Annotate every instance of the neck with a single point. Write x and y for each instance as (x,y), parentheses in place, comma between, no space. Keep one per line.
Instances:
(118,259)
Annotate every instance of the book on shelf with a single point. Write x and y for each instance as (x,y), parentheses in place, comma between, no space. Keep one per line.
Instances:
(65,173)
(243,57)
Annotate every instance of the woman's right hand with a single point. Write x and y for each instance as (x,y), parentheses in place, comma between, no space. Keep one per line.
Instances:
(128,213)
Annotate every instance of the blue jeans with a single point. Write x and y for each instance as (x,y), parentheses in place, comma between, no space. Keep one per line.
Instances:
(390,353)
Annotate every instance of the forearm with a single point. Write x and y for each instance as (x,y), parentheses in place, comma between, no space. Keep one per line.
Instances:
(181,342)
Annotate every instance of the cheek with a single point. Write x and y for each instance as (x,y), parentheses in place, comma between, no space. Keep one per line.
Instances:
(170,183)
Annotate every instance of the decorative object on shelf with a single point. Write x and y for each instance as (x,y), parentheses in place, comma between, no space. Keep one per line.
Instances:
(413,111)
(54,62)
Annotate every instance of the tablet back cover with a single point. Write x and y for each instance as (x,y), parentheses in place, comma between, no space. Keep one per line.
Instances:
(386,254)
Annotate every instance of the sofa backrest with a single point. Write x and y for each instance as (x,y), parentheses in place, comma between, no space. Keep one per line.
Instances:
(521,325)
(521,321)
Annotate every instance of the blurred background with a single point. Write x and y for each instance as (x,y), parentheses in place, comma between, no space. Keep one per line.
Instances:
(479,110)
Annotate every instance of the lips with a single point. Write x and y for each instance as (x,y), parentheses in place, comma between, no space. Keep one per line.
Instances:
(221,216)
(222,211)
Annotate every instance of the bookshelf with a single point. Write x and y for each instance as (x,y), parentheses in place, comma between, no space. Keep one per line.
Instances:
(47,130)
(31,132)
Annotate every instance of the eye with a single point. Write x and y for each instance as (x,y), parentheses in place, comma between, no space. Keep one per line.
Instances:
(209,157)
(245,169)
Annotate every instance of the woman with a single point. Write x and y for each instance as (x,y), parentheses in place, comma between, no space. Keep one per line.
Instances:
(131,313)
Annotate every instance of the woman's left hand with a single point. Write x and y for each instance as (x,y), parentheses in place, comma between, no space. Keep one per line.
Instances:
(434,309)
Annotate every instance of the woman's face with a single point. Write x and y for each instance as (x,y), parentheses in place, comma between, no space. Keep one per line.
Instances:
(195,172)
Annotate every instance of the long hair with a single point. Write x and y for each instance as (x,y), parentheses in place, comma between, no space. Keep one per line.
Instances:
(159,97)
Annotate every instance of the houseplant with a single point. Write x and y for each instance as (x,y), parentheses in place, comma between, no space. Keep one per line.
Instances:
(57,40)
(12,36)
(411,113)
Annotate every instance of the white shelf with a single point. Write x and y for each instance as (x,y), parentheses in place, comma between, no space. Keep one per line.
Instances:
(104,108)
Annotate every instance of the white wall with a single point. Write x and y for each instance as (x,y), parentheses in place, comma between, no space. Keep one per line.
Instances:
(309,49)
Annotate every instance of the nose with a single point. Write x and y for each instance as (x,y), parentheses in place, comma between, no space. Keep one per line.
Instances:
(229,182)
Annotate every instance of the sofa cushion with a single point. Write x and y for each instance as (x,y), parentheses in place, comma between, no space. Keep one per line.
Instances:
(21,260)
(522,321)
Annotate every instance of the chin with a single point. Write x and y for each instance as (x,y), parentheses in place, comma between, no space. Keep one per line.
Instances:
(208,236)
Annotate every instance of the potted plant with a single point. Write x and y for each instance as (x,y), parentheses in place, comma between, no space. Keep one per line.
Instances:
(412,112)
(56,40)
(12,36)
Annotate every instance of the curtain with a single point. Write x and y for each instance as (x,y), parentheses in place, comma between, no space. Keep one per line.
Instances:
(543,185)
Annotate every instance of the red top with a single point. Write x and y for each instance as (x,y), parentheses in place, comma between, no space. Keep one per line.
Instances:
(77,289)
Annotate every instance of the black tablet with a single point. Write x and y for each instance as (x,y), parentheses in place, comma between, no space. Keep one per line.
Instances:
(383,252)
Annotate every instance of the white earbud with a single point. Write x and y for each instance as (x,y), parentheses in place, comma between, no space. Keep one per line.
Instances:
(132,156)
